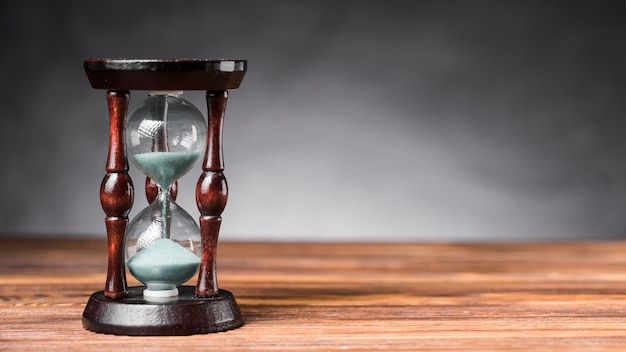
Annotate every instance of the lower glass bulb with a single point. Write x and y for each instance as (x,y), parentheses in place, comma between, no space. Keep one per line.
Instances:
(163,248)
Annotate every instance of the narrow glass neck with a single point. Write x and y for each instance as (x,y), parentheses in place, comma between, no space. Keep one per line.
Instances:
(163,199)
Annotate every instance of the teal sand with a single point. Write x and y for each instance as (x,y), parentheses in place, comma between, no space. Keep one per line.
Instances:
(163,266)
(166,167)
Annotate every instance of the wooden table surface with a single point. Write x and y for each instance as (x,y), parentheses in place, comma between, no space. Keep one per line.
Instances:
(318,297)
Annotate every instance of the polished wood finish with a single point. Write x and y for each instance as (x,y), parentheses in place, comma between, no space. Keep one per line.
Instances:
(187,316)
(211,194)
(116,194)
(177,74)
(353,297)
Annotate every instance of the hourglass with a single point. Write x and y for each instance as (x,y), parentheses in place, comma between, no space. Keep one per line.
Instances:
(162,247)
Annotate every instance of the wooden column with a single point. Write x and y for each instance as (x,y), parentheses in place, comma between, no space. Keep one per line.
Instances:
(211,194)
(116,194)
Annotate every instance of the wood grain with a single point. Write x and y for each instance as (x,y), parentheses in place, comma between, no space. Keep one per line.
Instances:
(324,297)
(117,194)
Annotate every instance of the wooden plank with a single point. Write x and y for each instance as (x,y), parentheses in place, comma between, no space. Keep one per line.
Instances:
(319,297)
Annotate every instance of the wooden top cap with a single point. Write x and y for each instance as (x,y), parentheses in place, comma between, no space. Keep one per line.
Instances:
(165,74)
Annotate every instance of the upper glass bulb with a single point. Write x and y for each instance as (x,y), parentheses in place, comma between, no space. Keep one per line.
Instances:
(165,137)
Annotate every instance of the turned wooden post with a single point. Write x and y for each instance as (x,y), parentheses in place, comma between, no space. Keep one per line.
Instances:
(211,194)
(116,194)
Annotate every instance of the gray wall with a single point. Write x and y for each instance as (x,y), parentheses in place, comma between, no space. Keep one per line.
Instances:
(357,120)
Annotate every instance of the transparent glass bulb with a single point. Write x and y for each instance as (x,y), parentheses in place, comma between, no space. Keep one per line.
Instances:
(163,248)
(166,137)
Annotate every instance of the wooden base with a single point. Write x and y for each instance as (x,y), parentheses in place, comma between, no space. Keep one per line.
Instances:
(186,316)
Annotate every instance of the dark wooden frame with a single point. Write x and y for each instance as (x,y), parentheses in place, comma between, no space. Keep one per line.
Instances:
(106,309)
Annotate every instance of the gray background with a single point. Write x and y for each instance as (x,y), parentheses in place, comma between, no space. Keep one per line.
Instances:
(357,120)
